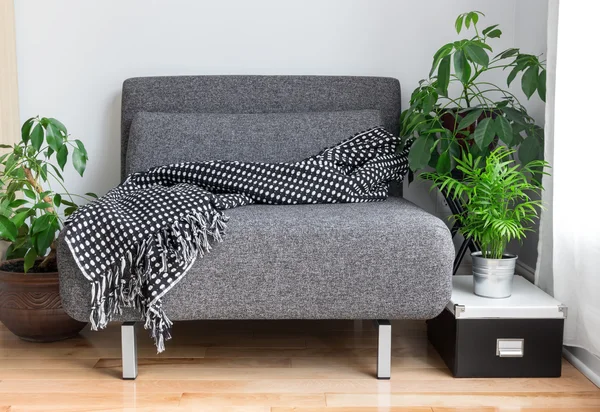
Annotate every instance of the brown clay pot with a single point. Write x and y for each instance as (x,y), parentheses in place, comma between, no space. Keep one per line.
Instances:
(30,307)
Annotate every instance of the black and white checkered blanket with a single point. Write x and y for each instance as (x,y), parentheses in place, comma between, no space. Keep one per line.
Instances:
(139,240)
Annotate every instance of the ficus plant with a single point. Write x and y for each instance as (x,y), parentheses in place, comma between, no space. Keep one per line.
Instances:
(33,198)
(495,193)
(458,109)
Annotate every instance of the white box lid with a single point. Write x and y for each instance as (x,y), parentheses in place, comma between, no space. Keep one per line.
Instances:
(527,302)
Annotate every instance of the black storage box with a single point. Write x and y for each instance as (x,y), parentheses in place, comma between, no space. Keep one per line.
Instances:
(520,336)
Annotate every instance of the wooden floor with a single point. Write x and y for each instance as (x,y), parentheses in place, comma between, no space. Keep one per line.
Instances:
(275,366)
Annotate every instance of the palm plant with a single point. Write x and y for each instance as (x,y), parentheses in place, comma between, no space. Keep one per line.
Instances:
(496,198)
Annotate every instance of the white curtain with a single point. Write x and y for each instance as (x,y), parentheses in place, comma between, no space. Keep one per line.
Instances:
(569,250)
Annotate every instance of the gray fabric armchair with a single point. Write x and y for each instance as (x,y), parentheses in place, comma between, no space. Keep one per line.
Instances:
(388,260)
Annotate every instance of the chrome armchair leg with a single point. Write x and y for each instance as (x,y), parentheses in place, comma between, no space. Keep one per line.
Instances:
(384,348)
(129,350)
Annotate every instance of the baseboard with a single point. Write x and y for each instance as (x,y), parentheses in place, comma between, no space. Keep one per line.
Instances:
(585,362)
(526,271)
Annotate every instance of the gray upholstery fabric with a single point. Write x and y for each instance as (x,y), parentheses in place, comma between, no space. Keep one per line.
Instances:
(257,94)
(375,260)
(163,138)
(361,261)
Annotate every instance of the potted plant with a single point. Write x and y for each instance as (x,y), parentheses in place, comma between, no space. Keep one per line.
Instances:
(458,109)
(30,219)
(496,195)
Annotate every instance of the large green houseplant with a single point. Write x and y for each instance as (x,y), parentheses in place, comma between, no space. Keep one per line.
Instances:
(499,198)
(33,204)
(458,109)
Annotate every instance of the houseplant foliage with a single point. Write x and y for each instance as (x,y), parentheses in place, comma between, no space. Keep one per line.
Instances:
(33,204)
(498,196)
(29,204)
(456,109)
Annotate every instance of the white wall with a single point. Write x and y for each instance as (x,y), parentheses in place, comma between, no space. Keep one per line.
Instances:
(73,55)
(531,35)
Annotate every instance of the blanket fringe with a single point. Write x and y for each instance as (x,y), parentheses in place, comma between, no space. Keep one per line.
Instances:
(124,284)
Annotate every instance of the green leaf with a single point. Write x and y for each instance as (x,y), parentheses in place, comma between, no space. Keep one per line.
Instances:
(428,102)
(57,124)
(8,230)
(420,152)
(495,34)
(19,218)
(477,54)
(68,203)
(508,53)
(542,85)
(70,210)
(37,136)
(42,205)
(444,51)
(474,16)
(81,147)
(458,23)
(488,29)
(469,119)
(462,68)
(443,77)
(444,165)
(79,161)
(503,129)
(30,194)
(5,146)
(26,129)
(515,115)
(44,239)
(58,174)
(57,198)
(513,73)
(42,223)
(30,258)
(529,81)
(484,133)
(481,44)
(53,137)
(18,203)
(529,150)
(61,156)
(44,172)
(90,194)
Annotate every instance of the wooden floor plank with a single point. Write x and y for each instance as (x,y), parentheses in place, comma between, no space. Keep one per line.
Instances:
(111,384)
(517,409)
(196,400)
(354,409)
(412,362)
(417,350)
(260,366)
(7,364)
(473,399)
(63,401)
(188,363)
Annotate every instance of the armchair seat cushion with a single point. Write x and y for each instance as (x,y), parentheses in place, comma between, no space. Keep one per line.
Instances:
(334,261)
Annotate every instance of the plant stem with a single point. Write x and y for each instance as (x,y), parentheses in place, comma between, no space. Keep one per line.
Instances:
(38,188)
(50,257)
